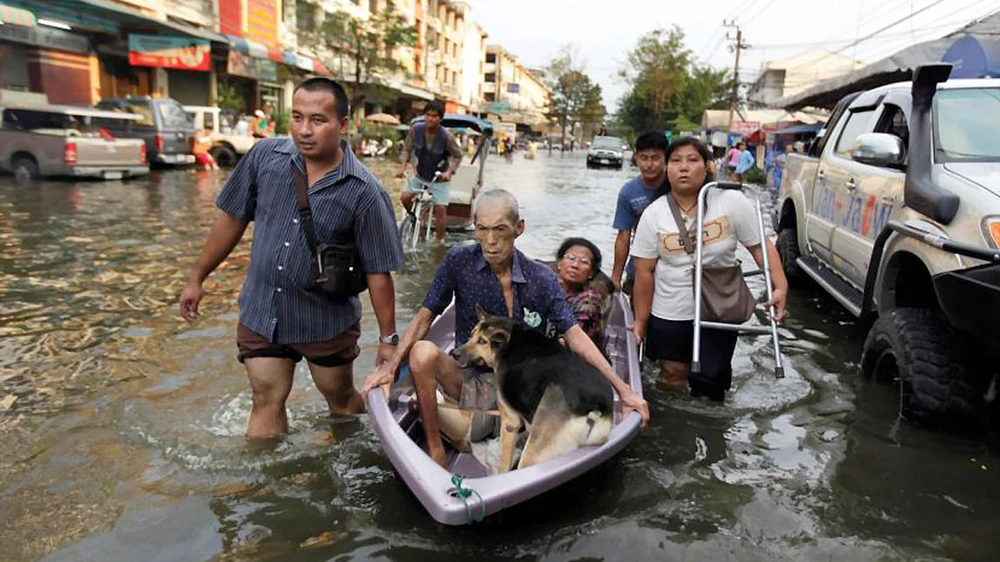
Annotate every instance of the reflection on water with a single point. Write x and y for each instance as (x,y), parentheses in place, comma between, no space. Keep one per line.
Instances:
(122,426)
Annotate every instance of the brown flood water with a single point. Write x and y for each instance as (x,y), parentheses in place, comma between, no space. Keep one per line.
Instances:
(121,426)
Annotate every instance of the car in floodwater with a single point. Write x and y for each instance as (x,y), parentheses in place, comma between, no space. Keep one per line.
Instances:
(67,141)
(606,151)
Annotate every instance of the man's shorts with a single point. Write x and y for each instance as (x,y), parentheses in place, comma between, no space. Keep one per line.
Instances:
(341,350)
(440,190)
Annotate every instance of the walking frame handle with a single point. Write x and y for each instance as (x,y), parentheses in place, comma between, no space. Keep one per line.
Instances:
(779,370)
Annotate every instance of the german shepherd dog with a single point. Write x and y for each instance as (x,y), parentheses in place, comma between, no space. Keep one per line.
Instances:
(565,402)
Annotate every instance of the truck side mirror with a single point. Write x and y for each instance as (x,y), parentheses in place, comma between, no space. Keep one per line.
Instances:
(879,149)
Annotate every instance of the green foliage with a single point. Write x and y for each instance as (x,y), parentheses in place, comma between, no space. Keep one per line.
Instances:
(756,176)
(668,90)
(230,99)
(370,44)
(575,97)
(281,122)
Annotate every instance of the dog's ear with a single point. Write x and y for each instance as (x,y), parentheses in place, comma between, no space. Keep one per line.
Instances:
(482,314)
(499,339)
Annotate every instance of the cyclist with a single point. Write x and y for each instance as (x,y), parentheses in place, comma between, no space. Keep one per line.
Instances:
(435,150)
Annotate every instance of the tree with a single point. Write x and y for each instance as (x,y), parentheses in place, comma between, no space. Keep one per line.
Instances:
(575,98)
(370,45)
(668,90)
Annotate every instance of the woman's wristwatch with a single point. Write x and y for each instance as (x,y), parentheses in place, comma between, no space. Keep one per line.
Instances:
(391,339)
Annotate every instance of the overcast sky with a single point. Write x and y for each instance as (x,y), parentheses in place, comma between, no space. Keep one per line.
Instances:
(604,31)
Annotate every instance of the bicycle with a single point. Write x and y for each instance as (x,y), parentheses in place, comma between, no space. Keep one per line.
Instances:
(421,218)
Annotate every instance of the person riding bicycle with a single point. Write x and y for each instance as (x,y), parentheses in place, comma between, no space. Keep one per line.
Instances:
(435,150)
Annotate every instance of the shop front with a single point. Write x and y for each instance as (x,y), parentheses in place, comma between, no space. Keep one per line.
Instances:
(186,64)
(43,59)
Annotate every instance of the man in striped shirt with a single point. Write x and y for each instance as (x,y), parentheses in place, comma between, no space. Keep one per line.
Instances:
(283,317)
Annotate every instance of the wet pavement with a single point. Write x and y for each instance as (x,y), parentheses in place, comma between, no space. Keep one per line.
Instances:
(121,426)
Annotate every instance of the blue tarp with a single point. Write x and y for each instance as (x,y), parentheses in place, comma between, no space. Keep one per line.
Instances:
(974,58)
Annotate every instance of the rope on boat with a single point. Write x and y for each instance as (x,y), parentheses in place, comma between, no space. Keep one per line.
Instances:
(464,494)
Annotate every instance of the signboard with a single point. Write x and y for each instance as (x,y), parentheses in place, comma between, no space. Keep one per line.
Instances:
(239,64)
(499,107)
(182,53)
(513,88)
(504,130)
(45,37)
(743,127)
(267,70)
(262,21)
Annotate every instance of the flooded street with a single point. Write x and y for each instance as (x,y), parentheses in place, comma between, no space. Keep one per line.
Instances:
(122,427)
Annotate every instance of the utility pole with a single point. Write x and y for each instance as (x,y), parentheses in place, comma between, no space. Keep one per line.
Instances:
(738,47)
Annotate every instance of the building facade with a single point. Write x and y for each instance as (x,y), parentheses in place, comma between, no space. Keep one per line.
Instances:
(512,92)
(791,75)
(247,54)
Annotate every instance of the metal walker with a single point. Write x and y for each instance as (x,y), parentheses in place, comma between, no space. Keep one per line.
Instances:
(779,370)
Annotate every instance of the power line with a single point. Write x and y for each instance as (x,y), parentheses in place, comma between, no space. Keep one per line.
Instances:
(759,12)
(872,34)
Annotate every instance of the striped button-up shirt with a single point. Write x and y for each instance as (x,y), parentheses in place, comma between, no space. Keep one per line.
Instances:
(277,300)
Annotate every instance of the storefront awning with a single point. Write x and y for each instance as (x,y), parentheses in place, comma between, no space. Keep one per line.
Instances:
(105,16)
(16,16)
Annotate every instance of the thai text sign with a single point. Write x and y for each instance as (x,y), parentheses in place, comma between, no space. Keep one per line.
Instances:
(182,53)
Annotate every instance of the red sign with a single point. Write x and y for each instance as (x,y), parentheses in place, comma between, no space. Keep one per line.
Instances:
(231,17)
(744,127)
(169,52)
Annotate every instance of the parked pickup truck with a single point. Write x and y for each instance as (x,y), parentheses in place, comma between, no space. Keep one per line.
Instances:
(65,140)
(896,214)
(227,146)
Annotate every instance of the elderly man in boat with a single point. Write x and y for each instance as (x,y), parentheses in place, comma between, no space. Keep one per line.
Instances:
(496,276)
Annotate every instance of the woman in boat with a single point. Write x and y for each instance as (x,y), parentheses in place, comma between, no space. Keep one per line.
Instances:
(579,262)
(663,296)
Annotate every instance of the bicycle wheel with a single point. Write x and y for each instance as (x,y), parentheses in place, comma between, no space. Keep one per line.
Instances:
(406,229)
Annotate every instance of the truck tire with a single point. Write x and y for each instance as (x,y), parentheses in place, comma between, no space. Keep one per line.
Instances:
(224,156)
(917,348)
(25,168)
(787,245)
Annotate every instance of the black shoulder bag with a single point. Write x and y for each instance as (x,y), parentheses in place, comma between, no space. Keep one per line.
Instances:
(337,268)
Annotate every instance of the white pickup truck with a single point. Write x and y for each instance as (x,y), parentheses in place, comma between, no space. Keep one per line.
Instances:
(896,214)
(227,146)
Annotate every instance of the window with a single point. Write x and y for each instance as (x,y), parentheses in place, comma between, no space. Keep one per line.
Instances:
(136,106)
(172,115)
(967,125)
(209,121)
(490,77)
(305,16)
(857,123)
(491,58)
(893,122)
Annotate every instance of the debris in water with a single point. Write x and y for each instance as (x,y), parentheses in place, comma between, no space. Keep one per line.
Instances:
(954,502)
(325,539)
(7,402)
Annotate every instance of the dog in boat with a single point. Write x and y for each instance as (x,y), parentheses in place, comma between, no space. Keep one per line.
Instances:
(564,401)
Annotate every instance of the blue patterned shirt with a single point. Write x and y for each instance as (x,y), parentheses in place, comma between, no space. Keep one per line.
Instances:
(277,301)
(465,275)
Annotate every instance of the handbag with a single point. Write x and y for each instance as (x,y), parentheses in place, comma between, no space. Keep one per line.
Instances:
(725,296)
(337,267)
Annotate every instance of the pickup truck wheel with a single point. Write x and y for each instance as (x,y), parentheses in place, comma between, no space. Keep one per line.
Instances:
(224,156)
(916,349)
(787,245)
(25,168)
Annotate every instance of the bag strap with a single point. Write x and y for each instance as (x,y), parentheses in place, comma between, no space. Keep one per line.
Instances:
(681,227)
(305,213)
